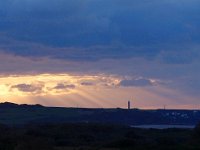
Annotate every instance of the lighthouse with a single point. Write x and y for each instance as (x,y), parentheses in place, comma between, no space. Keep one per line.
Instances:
(129,105)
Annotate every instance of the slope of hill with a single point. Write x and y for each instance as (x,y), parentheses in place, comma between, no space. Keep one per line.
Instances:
(13,114)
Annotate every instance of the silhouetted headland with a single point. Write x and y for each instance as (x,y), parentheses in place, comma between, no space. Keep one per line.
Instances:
(14,114)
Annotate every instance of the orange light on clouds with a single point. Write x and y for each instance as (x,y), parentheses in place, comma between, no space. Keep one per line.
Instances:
(86,91)
(19,87)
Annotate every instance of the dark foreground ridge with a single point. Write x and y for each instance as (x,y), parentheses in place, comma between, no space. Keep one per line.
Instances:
(89,136)
(35,127)
(14,114)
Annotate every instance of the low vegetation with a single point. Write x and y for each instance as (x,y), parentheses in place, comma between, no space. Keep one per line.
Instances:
(83,136)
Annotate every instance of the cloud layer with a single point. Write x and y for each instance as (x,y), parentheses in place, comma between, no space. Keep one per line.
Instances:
(28,88)
(148,44)
(98,29)
(106,91)
(136,82)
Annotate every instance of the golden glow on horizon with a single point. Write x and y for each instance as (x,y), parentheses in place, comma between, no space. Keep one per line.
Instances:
(85,91)
(50,84)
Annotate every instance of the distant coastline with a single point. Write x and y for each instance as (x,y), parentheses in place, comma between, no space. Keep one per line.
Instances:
(14,114)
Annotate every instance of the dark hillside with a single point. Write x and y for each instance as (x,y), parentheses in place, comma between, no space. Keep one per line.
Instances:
(13,114)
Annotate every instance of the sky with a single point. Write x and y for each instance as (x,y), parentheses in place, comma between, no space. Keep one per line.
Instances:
(100,53)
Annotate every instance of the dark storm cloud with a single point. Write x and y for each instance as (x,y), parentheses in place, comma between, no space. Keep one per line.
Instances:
(93,30)
(62,86)
(136,83)
(153,39)
(35,88)
(87,83)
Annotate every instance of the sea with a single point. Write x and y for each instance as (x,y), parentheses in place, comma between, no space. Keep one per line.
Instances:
(164,126)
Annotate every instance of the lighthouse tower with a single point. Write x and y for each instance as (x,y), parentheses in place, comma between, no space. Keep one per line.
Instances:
(129,105)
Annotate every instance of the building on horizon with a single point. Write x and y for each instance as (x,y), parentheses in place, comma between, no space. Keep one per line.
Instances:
(129,105)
